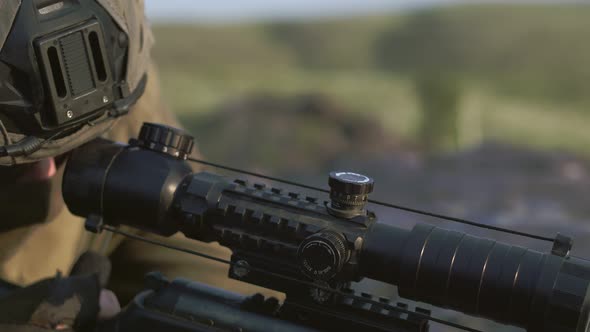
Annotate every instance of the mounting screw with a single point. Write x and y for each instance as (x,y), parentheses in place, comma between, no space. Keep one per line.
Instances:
(320,295)
(358,243)
(69,114)
(562,245)
(94,223)
(241,269)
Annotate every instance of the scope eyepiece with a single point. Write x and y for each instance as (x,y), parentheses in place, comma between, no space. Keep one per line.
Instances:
(129,184)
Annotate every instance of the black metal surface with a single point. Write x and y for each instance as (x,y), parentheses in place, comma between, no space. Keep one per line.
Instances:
(7,287)
(322,255)
(198,307)
(349,194)
(562,245)
(183,306)
(439,216)
(479,276)
(97,181)
(349,183)
(165,139)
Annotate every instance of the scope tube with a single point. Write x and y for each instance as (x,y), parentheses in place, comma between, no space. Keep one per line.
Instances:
(111,180)
(482,277)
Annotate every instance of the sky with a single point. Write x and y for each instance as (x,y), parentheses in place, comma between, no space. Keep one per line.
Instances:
(248,10)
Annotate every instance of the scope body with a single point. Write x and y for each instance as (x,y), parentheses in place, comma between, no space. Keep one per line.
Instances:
(291,234)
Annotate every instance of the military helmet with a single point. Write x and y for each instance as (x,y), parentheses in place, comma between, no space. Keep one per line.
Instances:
(68,70)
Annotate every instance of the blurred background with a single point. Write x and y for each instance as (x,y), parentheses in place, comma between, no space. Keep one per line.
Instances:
(475,109)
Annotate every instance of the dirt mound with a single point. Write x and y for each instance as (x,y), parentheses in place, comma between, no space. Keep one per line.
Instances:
(287,135)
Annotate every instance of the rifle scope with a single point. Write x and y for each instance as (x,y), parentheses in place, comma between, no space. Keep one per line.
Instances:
(150,185)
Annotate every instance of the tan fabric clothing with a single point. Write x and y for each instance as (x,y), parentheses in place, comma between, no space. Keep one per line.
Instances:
(43,250)
(37,252)
(30,254)
(130,17)
(8,10)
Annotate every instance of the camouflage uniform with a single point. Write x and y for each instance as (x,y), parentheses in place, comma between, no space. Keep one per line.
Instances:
(28,254)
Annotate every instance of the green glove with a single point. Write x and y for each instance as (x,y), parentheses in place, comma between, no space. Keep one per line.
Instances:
(60,303)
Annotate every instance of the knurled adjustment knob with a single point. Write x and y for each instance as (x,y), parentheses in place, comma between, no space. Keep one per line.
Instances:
(322,255)
(165,139)
(349,193)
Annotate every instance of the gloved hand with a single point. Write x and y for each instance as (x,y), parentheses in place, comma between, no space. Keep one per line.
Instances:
(72,303)
(91,263)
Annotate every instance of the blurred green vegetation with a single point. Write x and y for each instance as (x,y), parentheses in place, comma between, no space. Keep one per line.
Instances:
(439,96)
(524,69)
(535,51)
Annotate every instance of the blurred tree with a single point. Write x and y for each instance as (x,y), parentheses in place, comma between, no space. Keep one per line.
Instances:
(535,51)
(423,52)
(339,44)
(289,135)
(439,96)
(424,43)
